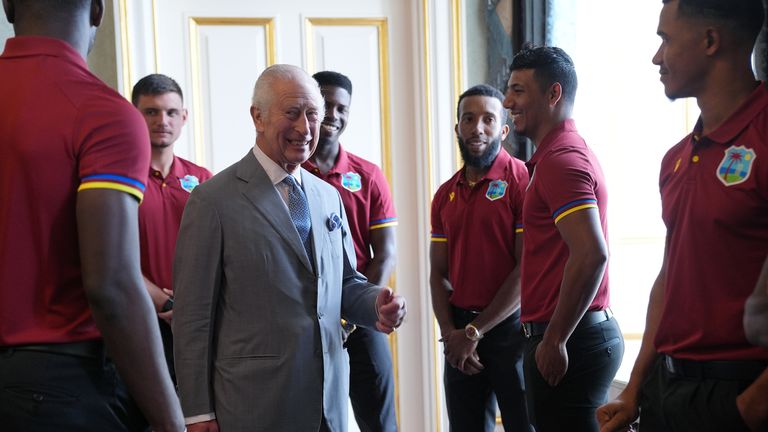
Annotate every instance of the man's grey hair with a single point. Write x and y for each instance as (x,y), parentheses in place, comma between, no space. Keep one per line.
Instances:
(263,90)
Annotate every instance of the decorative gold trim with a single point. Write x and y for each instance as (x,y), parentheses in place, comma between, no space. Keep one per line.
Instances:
(437,381)
(395,370)
(384,91)
(458,54)
(194,57)
(458,62)
(430,188)
(125,52)
(155,36)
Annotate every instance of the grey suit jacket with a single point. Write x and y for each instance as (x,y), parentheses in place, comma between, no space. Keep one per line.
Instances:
(256,327)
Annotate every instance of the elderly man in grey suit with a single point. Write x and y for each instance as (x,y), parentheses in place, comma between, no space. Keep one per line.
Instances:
(264,270)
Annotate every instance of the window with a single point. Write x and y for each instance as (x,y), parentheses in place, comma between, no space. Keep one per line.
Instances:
(623,114)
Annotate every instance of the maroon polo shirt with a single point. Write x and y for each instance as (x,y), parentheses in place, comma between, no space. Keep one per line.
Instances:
(714,194)
(160,217)
(62,130)
(479,224)
(366,197)
(565,178)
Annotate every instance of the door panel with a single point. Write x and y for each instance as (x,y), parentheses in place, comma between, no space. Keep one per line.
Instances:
(357,47)
(219,83)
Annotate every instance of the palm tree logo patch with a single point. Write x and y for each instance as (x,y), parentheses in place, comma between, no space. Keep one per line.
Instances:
(736,165)
(189,182)
(351,181)
(496,189)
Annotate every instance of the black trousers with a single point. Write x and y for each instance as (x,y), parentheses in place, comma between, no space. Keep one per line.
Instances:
(167,337)
(468,396)
(594,356)
(371,382)
(43,392)
(670,403)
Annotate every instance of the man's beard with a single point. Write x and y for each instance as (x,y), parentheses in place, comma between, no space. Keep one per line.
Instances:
(483,161)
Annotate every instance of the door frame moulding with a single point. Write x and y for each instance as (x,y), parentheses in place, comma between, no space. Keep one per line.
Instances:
(194,57)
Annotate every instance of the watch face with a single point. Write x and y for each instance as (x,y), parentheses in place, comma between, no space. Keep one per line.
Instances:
(472,332)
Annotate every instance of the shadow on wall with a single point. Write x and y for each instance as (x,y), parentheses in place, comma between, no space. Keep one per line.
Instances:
(761,53)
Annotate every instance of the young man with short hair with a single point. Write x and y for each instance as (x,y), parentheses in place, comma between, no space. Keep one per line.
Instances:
(696,370)
(372,220)
(170,181)
(574,345)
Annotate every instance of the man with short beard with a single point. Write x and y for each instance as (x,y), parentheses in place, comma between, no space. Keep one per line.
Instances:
(475,273)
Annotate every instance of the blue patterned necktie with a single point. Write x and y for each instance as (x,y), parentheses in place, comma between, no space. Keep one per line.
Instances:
(299,209)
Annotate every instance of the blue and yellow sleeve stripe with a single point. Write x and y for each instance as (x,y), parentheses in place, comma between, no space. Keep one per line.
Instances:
(116,182)
(382,223)
(572,207)
(518,228)
(439,238)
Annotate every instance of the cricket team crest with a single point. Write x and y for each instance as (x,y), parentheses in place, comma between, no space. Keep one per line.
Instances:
(736,165)
(351,181)
(189,182)
(496,189)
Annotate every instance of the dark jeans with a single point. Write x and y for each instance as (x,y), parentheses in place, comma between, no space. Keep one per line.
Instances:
(42,392)
(468,396)
(594,356)
(671,403)
(371,384)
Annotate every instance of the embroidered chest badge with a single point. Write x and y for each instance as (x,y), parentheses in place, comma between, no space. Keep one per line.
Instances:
(496,189)
(351,181)
(189,182)
(736,165)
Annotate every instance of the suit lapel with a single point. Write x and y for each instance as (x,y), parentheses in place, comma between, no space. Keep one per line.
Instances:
(260,191)
(316,211)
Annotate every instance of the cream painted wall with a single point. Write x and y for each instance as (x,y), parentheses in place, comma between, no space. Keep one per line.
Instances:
(476,55)
(102,60)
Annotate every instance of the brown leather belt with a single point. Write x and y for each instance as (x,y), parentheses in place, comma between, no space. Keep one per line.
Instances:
(88,349)
(590,318)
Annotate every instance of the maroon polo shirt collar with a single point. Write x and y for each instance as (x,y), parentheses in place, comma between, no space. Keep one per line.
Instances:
(177,169)
(340,167)
(24,46)
(547,143)
(740,119)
